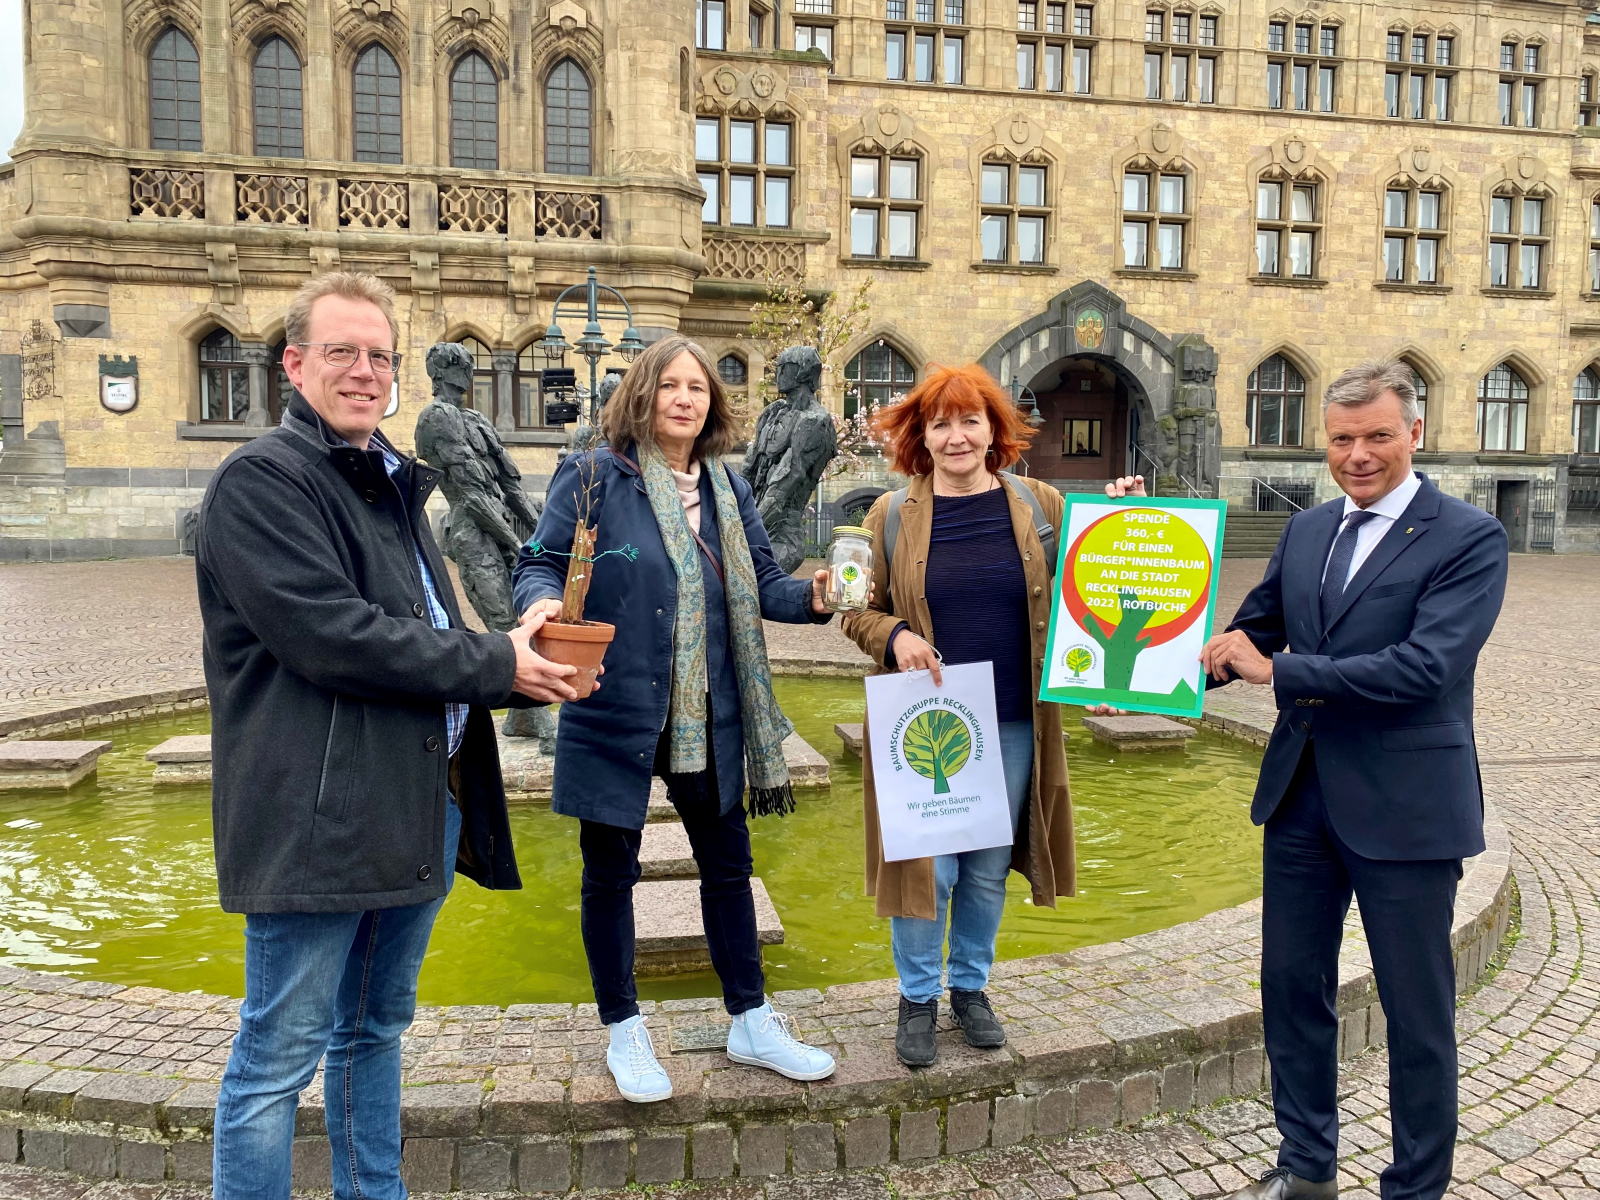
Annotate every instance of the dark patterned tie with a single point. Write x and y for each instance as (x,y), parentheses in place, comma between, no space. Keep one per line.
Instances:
(1339,563)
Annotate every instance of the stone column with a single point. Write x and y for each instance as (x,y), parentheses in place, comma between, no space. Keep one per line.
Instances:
(522,104)
(505,382)
(321,105)
(257,355)
(422,124)
(216,106)
(63,39)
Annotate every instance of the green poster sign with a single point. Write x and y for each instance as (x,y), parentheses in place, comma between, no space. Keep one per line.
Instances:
(1136,587)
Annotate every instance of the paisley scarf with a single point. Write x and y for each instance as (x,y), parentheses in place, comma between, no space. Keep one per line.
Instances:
(765,726)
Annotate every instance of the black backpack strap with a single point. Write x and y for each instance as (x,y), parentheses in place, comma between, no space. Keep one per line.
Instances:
(1041,525)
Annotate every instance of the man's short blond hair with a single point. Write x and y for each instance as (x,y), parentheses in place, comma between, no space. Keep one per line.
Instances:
(1365,382)
(352,285)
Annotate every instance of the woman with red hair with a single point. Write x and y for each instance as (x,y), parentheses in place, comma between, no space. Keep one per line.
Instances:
(968,583)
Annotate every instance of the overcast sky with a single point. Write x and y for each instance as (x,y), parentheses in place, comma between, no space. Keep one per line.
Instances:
(10,74)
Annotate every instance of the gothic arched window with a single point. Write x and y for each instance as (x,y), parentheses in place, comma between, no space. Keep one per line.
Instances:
(482,376)
(224,378)
(276,100)
(1503,410)
(474,115)
(567,109)
(174,93)
(874,377)
(375,109)
(1586,412)
(1277,398)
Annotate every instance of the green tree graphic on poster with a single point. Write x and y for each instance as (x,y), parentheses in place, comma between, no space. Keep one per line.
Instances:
(936,745)
(1079,661)
(1123,643)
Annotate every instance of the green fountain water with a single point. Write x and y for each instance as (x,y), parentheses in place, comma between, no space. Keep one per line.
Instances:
(114,879)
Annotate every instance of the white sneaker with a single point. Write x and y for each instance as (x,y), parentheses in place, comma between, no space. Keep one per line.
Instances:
(632,1060)
(761,1038)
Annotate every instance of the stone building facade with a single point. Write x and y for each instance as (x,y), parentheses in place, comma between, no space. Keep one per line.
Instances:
(1165,225)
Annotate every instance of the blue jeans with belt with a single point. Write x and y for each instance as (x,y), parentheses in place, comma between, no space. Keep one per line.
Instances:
(340,984)
(971,889)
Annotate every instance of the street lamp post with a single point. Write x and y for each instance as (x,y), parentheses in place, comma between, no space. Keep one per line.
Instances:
(593,344)
(1024,399)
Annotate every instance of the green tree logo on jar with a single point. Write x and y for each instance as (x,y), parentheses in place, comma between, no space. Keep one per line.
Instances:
(1137,577)
(936,745)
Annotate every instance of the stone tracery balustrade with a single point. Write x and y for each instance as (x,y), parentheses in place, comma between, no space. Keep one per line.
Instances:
(271,199)
(567,215)
(374,204)
(381,205)
(465,208)
(162,193)
(753,258)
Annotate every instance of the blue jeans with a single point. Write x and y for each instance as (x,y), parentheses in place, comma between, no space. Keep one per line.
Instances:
(971,888)
(340,984)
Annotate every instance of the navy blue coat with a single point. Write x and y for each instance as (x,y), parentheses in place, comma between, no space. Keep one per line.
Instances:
(607,743)
(1385,690)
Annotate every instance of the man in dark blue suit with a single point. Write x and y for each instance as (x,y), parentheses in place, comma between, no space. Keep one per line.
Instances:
(1370,781)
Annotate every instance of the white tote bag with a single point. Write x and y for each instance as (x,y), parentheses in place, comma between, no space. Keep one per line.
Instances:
(936,762)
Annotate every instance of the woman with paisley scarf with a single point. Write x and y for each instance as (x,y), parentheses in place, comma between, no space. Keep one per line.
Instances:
(686,693)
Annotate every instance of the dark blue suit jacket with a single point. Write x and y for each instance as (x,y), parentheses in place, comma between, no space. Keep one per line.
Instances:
(607,743)
(1385,690)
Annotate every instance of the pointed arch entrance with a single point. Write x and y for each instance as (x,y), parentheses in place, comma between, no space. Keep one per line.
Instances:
(1152,392)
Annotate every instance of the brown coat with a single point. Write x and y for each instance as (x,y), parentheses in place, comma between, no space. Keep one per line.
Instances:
(1044,849)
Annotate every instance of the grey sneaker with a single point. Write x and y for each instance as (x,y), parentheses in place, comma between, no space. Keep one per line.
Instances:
(913,1039)
(975,1015)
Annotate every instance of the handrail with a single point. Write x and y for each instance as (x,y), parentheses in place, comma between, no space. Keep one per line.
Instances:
(1155,468)
(1262,483)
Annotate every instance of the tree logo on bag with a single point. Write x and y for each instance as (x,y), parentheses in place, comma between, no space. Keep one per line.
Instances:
(936,745)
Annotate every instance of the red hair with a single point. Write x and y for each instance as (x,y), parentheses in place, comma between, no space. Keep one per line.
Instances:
(946,391)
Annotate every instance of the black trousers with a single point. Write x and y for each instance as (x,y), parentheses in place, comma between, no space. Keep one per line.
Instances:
(1406,910)
(721,845)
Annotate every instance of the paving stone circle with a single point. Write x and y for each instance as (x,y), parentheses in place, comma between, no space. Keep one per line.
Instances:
(1530,1034)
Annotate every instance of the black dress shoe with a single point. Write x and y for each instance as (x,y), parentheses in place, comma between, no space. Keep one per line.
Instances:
(976,1018)
(913,1039)
(1280,1183)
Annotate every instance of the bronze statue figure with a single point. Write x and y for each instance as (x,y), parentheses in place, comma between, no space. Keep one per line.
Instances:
(794,443)
(490,515)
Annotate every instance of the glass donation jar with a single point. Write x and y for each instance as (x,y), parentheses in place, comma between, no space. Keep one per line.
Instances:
(849,569)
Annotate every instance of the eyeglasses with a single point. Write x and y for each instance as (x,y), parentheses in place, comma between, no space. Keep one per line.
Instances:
(343,355)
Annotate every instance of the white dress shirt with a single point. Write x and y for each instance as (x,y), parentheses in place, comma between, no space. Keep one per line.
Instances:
(1384,514)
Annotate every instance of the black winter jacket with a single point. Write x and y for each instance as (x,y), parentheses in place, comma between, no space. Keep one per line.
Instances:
(328,683)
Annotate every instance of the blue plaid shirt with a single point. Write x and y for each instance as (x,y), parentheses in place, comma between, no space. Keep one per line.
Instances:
(455,715)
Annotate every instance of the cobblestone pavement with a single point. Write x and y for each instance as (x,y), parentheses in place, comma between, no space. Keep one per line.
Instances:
(1530,1036)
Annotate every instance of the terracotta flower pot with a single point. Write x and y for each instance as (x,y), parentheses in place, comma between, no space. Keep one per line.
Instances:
(582,646)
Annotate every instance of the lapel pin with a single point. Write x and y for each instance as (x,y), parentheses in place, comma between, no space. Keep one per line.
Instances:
(1408,528)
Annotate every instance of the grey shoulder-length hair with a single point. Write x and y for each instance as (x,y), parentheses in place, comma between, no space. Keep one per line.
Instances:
(1364,383)
(629,417)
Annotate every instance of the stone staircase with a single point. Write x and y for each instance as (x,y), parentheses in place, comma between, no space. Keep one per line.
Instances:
(1252,534)
(669,937)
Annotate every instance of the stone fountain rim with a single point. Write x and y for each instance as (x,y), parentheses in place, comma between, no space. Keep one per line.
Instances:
(1046,1084)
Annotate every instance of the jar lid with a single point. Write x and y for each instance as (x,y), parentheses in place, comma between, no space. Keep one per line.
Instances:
(852,531)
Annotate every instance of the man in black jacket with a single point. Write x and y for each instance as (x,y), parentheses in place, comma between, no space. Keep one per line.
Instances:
(355,766)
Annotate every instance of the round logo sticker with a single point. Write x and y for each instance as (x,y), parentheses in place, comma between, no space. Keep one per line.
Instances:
(936,745)
(1078,659)
(1137,577)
